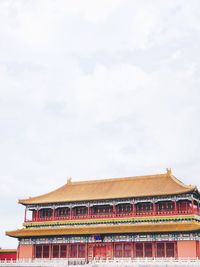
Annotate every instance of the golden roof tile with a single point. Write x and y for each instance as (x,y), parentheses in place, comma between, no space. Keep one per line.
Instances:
(138,186)
(107,229)
(8,250)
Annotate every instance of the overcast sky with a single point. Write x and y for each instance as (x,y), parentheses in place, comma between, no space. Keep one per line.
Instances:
(94,89)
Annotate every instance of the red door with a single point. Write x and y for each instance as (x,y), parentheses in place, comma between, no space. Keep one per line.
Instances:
(100,252)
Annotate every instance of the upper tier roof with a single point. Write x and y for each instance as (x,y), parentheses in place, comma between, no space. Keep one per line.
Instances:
(138,186)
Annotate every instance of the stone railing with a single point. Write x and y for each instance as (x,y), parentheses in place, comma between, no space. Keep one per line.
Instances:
(116,215)
(144,262)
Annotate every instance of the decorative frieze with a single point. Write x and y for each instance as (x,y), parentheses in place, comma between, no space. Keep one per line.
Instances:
(109,221)
(111,238)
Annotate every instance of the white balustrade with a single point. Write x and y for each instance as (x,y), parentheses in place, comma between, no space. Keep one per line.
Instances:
(138,262)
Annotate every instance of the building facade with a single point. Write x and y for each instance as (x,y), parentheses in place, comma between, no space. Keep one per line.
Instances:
(154,216)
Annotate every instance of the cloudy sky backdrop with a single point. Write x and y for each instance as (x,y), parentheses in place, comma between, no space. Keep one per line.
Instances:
(93,89)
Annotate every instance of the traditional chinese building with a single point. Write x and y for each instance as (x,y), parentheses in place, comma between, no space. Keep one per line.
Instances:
(134,217)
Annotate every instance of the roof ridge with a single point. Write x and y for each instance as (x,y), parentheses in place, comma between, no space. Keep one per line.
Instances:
(118,179)
(70,182)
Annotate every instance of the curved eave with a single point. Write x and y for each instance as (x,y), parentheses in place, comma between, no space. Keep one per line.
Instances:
(110,229)
(128,187)
(28,202)
(196,190)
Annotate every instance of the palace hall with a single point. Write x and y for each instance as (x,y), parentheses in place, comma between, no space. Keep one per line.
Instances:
(151,216)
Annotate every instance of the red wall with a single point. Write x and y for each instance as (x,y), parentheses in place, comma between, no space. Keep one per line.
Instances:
(8,255)
(25,251)
(182,249)
(187,249)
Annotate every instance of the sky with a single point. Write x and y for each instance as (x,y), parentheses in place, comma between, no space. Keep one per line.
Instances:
(95,89)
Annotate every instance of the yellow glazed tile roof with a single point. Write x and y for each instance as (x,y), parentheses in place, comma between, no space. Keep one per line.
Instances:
(8,250)
(138,186)
(107,229)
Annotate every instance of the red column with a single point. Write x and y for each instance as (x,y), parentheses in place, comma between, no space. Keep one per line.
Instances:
(153,249)
(77,252)
(53,214)
(67,253)
(175,250)
(114,210)
(90,252)
(133,209)
(70,212)
(50,251)
(132,250)
(42,252)
(192,206)
(89,212)
(198,247)
(36,217)
(175,207)
(109,251)
(86,252)
(165,248)
(154,208)
(25,215)
(143,248)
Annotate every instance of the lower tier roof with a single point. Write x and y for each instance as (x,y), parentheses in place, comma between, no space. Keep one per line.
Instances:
(107,229)
(8,250)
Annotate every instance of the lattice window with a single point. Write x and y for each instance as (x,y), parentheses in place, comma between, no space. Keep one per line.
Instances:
(124,208)
(148,250)
(73,251)
(102,210)
(160,250)
(62,212)
(81,250)
(144,207)
(127,250)
(46,251)
(38,252)
(184,206)
(81,210)
(166,206)
(139,250)
(46,213)
(170,250)
(63,251)
(56,251)
(118,250)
